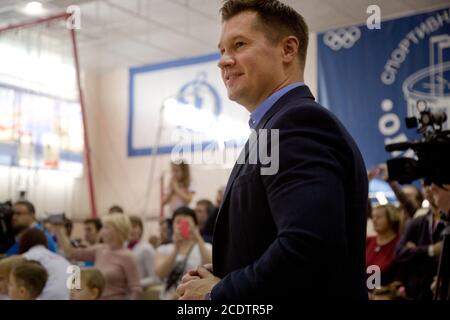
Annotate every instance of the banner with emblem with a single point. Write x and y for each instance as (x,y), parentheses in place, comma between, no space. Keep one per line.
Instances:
(182,104)
(373,79)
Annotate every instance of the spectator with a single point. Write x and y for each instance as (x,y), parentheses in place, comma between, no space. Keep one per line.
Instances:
(179,193)
(208,229)
(117,264)
(144,252)
(418,250)
(154,241)
(68,225)
(174,259)
(409,196)
(33,246)
(203,210)
(6,265)
(92,285)
(24,218)
(27,280)
(92,229)
(164,232)
(380,248)
(163,237)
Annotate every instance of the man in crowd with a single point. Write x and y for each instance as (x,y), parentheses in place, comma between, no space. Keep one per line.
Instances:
(24,217)
(298,232)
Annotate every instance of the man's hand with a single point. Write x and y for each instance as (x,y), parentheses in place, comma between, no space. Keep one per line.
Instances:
(196,284)
(383,172)
(194,274)
(437,248)
(410,245)
(195,232)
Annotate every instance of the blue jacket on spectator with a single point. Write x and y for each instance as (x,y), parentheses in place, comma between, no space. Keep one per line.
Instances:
(51,244)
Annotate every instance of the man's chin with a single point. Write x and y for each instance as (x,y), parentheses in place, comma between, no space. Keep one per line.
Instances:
(233,96)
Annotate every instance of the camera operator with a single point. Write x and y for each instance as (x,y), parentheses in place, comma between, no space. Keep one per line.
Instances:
(409,196)
(6,230)
(418,251)
(24,217)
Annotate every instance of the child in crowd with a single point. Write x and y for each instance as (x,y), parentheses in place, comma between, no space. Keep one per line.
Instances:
(27,280)
(6,266)
(92,285)
(179,193)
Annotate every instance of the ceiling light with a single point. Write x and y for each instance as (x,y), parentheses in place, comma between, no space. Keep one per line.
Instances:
(34,8)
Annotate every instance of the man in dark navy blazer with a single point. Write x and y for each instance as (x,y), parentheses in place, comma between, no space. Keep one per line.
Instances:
(296,231)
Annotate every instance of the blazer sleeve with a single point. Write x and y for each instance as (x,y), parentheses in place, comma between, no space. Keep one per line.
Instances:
(306,199)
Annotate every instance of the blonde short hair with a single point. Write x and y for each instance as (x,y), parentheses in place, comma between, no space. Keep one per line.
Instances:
(121,224)
(7,264)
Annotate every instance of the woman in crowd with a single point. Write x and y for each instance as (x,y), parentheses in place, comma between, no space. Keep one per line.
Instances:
(144,253)
(187,251)
(117,264)
(380,249)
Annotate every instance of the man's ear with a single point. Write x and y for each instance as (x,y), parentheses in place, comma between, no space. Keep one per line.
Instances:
(290,49)
(95,293)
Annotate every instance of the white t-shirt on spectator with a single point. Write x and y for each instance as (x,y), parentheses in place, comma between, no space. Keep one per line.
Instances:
(56,266)
(194,260)
(145,255)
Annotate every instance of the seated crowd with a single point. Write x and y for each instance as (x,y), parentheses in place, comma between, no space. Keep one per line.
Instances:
(114,261)
(404,244)
(405,241)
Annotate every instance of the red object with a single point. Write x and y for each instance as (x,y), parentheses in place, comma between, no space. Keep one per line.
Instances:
(85,129)
(34,22)
(381,256)
(184,228)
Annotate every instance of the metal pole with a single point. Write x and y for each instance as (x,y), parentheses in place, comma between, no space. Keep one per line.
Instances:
(85,127)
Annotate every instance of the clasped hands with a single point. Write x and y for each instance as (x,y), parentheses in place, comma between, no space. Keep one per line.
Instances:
(196,284)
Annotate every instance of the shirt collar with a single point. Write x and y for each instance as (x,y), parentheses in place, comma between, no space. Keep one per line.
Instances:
(261,110)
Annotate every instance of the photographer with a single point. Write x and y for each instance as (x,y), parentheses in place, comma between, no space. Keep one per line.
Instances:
(187,251)
(418,251)
(409,196)
(6,230)
(24,217)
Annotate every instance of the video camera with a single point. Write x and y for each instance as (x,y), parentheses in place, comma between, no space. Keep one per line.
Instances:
(6,230)
(432,151)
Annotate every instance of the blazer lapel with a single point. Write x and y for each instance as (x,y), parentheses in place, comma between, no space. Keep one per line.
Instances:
(300,92)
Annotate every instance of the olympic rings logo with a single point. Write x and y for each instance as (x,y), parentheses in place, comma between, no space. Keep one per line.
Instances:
(342,38)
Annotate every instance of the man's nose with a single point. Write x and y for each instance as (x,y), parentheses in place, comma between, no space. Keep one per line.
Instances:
(225,61)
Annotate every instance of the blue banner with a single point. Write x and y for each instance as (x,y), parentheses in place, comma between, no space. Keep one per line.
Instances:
(373,79)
